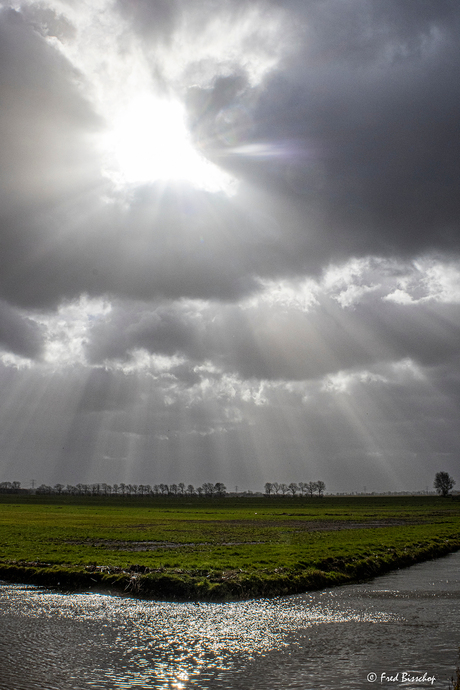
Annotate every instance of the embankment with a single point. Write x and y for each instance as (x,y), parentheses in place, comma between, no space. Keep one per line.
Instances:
(181,585)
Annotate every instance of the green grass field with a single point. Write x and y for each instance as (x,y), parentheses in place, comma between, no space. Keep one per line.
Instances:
(219,548)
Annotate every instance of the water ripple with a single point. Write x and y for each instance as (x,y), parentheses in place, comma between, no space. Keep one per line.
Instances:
(73,642)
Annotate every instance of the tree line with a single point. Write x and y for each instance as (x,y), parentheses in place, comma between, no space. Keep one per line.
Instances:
(207,489)
(293,489)
(443,484)
(180,489)
(122,489)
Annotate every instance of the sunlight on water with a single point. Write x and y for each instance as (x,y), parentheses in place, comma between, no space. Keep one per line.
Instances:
(167,645)
(322,640)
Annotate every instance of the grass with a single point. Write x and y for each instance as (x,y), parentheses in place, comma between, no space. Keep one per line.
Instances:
(218,549)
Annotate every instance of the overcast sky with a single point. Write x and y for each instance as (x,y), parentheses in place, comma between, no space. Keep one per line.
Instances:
(230,242)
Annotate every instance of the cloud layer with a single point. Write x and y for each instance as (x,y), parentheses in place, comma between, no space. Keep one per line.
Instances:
(287,303)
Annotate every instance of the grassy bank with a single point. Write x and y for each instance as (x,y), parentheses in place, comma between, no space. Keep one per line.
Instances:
(218,549)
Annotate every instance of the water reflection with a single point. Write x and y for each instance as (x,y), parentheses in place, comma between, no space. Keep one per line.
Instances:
(320,640)
(165,645)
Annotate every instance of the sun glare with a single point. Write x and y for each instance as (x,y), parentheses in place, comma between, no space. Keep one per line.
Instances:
(148,141)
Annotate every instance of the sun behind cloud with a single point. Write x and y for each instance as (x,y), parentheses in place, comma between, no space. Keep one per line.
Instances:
(147,140)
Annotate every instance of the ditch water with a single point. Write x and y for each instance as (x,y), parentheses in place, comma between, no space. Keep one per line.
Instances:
(407,622)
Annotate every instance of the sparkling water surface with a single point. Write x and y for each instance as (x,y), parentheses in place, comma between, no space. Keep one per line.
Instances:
(399,626)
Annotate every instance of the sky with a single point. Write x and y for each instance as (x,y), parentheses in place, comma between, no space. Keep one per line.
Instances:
(230,242)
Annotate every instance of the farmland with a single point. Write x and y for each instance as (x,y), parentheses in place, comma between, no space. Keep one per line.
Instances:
(218,549)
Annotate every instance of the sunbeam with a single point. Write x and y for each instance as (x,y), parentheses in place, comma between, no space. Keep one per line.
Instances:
(229,242)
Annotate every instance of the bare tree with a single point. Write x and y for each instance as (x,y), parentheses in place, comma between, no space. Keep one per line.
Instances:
(293,488)
(320,487)
(311,488)
(269,488)
(220,489)
(443,483)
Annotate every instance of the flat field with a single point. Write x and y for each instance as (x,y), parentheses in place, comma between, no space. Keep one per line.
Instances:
(218,548)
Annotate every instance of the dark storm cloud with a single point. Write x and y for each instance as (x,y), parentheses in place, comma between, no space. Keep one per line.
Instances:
(340,122)
(359,125)
(272,343)
(370,102)
(45,155)
(46,163)
(19,334)
(58,239)
(276,345)
(165,329)
(167,243)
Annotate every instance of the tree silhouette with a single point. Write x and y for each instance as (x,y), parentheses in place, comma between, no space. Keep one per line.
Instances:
(320,487)
(303,486)
(443,483)
(311,488)
(208,488)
